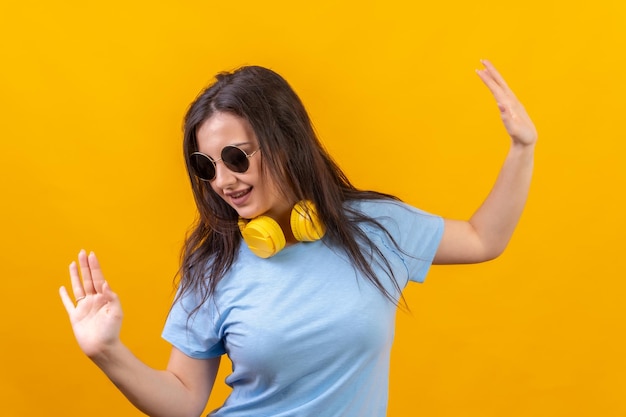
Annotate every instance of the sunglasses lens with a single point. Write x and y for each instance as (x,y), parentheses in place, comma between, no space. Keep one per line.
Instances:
(202,166)
(235,159)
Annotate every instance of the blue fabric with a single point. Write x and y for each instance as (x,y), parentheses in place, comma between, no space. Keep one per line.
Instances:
(307,334)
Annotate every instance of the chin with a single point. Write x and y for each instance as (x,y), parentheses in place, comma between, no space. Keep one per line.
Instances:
(248,214)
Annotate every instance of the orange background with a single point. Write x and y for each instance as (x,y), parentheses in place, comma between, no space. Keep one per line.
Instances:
(91,102)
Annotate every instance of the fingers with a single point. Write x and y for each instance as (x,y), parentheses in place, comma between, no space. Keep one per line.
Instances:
(504,96)
(77,284)
(494,74)
(67,301)
(85,271)
(108,292)
(97,277)
(91,273)
(516,121)
(78,288)
(497,90)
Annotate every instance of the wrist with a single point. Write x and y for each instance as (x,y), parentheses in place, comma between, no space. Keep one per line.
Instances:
(106,352)
(522,148)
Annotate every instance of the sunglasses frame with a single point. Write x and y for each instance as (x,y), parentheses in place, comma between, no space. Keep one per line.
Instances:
(226,163)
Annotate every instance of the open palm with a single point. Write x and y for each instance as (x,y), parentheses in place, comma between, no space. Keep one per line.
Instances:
(96,317)
(514,116)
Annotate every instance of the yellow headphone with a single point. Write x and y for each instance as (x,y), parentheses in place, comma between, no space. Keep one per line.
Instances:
(265,238)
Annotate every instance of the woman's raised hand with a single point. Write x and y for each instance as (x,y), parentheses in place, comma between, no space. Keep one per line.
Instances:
(96,314)
(516,121)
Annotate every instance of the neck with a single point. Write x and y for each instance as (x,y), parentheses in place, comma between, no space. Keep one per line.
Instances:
(284,221)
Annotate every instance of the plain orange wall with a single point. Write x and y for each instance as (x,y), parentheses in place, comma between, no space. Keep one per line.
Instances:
(91,102)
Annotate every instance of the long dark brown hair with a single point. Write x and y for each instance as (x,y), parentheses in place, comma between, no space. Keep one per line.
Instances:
(294,156)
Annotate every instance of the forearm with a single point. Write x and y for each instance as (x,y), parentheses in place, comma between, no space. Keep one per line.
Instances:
(96,316)
(496,219)
(154,392)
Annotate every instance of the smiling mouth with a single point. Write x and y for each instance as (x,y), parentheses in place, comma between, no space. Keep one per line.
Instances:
(239,194)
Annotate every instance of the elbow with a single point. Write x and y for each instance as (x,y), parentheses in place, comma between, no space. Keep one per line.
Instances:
(467,243)
(491,256)
(494,251)
(484,251)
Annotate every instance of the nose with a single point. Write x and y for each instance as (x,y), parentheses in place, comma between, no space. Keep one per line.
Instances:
(224,177)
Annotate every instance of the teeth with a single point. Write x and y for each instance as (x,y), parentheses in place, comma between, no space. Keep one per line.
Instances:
(237,195)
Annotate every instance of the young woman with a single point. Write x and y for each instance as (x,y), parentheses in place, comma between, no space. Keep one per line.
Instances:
(291,271)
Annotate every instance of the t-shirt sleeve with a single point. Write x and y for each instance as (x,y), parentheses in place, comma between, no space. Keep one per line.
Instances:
(416,233)
(195,335)
(420,239)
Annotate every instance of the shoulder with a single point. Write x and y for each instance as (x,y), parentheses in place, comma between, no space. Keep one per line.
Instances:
(396,219)
(387,208)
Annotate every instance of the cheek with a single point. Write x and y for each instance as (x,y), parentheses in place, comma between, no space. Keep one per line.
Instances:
(212,188)
(263,181)
(255,176)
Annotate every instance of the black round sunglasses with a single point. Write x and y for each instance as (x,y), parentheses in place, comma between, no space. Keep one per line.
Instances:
(235,159)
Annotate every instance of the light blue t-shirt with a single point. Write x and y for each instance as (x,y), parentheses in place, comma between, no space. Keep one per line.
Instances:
(307,334)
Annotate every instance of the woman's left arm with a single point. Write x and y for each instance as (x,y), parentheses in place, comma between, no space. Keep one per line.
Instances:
(486,234)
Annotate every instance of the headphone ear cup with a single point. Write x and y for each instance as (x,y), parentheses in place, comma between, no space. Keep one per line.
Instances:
(305,224)
(263,236)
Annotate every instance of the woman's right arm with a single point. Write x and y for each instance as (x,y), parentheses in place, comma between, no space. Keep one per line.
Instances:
(182,389)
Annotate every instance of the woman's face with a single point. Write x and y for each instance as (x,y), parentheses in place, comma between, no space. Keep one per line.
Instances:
(250,193)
